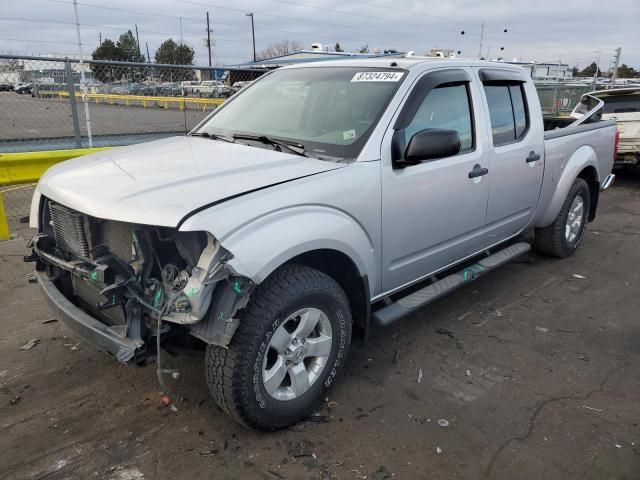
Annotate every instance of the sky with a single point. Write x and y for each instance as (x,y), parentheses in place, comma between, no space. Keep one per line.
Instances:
(576,32)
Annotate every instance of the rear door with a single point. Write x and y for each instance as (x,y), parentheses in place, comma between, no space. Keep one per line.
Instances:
(517,157)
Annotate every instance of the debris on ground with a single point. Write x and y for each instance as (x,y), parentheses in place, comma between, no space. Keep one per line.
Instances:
(30,344)
(419,375)
(396,356)
(209,452)
(591,408)
(382,474)
(303,448)
(577,275)
(542,329)
(468,372)
(438,450)
(317,417)
(51,320)
(443,422)
(15,400)
(331,405)
(72,346)
(276,474)
(445,331)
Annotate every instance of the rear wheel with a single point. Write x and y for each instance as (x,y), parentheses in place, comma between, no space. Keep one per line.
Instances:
(292,340)
(563,237)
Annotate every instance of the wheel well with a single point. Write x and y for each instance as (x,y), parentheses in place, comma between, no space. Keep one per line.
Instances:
(590,175)
(342,269)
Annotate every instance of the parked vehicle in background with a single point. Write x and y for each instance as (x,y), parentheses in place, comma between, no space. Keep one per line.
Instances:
(623,105)
(321,197)
(6,87)
(24,88)
(212,88)
(240,85)
(189,86)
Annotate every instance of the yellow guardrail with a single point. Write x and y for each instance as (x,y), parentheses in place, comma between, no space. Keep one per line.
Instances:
(138,100)
(28,167)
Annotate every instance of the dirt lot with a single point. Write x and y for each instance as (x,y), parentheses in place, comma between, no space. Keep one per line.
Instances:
(535,370)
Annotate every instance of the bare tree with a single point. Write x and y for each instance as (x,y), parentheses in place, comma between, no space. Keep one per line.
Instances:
(11,64)
(278,49)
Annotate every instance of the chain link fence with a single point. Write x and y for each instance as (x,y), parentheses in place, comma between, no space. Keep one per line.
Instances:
(53,104)
(559,98)
(43,102)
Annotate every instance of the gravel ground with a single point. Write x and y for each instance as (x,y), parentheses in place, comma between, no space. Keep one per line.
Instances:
(534,370)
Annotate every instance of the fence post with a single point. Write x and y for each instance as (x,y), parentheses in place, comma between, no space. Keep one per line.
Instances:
(4,225)
(72,100)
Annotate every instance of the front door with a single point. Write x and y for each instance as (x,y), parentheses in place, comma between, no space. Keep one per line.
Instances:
(433,213)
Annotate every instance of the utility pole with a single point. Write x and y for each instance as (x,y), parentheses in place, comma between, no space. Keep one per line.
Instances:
(209,38)
(100,37)
(253,35)
(614,64)
(481,40)
(148,57)
(138,40)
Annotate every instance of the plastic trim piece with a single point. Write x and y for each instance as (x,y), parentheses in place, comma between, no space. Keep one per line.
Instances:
(488,75)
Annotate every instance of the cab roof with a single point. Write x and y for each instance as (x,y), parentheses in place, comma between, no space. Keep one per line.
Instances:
(406,63)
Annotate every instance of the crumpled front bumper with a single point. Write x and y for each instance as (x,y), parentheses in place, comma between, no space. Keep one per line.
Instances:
(111,340)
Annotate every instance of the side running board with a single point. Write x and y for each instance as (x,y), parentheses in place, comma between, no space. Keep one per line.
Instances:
(405,305)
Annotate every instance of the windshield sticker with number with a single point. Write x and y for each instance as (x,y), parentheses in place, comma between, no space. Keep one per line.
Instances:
(377,76)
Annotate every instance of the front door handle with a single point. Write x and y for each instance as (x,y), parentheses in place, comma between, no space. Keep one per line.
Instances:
(478,171)
(533,157)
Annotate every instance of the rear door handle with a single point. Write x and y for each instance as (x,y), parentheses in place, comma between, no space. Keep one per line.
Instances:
(533,157)
(478,171)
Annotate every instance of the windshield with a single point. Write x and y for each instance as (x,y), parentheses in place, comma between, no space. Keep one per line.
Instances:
(330,111)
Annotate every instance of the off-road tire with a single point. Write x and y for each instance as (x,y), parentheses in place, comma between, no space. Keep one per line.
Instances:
(551,240)
(234,374)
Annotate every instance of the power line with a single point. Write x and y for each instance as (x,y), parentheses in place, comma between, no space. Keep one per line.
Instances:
(106,27)
(360,15)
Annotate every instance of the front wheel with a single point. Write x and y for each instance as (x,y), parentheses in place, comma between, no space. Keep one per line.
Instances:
(563,237)
(292,341)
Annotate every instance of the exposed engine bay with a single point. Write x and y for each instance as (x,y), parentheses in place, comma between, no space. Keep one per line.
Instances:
(141,281)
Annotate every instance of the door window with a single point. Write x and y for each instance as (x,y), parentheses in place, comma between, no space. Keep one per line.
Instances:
(448,107)
(508,112)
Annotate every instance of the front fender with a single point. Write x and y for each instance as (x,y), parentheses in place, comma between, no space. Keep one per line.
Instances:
(559,176)
(262,245)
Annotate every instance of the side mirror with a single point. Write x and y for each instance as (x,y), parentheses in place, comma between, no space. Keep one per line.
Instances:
(429,144)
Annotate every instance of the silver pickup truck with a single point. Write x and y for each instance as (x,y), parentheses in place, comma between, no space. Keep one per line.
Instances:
(319,199)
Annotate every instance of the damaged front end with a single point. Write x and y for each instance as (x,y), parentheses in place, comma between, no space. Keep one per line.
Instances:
(118,284)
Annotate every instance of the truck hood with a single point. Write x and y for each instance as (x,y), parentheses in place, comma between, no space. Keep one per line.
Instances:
(159,183)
